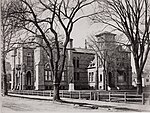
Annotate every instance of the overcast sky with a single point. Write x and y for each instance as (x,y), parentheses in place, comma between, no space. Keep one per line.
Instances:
(82,29)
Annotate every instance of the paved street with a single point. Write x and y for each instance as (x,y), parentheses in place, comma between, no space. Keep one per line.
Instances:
(23,105)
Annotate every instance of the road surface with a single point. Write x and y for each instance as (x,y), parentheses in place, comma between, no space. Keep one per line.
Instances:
(24,105)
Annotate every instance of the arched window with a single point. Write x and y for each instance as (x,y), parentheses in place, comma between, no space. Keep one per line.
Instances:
(47,72)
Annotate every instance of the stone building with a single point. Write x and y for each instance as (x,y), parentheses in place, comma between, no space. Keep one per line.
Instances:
(116,65)
(32,70)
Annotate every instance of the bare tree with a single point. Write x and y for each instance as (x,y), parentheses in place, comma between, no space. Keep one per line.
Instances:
(9,35)
(47,19)
(132,18)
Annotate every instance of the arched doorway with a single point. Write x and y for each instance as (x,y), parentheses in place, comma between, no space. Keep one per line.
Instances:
(28,78)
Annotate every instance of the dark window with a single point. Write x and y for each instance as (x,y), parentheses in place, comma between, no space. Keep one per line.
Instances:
(76,75)
(74,62)
(147,80)
(125,76)
(92,75)
(100,77)
(77,62)
(29,59)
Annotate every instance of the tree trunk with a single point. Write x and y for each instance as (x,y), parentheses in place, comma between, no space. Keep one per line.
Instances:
(4,78)
(96,76)
(56,96)
(139,83)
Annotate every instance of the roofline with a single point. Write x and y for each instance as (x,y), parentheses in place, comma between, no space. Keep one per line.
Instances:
(105,33)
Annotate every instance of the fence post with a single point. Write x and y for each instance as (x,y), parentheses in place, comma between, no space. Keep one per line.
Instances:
(50,94)
(31,92)
(109,96)
(70,94)
(99,96)
(125,97)
(142,98)
(90,95)
(79,95)
(62,94)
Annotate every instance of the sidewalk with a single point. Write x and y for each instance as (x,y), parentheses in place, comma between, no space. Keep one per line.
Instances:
(115,105)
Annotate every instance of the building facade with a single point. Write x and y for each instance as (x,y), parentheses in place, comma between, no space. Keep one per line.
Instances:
(115,72)
(32,69)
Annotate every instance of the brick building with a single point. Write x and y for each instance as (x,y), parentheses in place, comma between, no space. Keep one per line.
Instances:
(117,65)
(32,70)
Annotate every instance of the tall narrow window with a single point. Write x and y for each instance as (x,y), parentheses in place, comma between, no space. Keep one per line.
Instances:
(89,76)
(47,72)
(100,78)
(78,62)
(63,76)
(92,75)
(78,76)
(74,62)
(29,59)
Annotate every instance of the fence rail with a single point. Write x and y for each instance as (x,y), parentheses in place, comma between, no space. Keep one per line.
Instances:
(92,95)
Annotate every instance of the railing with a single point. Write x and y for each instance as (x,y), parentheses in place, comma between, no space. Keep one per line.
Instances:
(92,95)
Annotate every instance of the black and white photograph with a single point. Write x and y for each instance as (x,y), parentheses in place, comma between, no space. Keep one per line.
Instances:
(74,56)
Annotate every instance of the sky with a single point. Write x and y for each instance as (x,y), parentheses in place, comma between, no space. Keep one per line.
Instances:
(81,31)
(83,27)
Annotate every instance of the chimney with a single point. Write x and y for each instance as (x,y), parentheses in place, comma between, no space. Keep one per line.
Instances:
(71,43)
(85,44)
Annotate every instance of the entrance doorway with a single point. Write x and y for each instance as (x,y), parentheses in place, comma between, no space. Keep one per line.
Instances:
(28,83)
